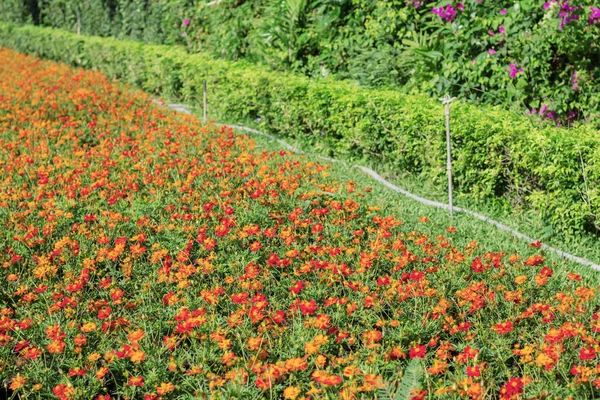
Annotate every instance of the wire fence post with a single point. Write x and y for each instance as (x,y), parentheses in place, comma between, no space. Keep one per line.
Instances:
(204,91)
(446,101)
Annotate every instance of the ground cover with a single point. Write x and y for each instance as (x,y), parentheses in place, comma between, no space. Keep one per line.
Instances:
(145,255)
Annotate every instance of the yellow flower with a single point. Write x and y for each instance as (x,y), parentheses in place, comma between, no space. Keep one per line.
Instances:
(320,361)
(165,388)
(520,279)
(291,392)
(89,327)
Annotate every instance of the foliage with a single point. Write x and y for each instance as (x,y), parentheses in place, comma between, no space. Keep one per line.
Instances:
(145,255)
(534,56)
(517,159)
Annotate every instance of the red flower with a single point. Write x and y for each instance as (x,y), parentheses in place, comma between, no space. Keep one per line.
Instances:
(317,228)
(104,313)
(384,281)
(473,372)
(416,275)
(477,265)
(63,392)
(308,307)
(297,288)
(417,351)
(503,328)
(255,246)
(587,353)
(513,387)
(279,317)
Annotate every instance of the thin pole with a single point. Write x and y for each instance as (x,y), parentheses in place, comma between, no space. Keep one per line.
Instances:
(446,100)
(78,21)
(204,91)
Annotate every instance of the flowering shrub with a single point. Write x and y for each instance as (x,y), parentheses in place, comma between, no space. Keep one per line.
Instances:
(463,48)
(147,256)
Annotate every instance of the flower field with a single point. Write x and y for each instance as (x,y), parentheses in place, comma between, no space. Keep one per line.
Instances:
(145,256)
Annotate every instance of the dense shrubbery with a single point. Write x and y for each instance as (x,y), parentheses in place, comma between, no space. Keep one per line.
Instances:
(498,154)
(533,55)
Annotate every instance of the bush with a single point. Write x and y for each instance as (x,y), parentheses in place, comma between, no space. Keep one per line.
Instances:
(498,154)
(536,56)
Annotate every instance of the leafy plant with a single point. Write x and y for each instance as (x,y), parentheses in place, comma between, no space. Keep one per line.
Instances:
(509,159)
(413,374)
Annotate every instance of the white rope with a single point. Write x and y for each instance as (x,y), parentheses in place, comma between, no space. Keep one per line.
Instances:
(183,109)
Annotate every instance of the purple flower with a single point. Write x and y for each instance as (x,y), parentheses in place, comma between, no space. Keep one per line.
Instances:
(567,14)
(502,30)
(514,70)
(503,12)
(543,109)
(491,33)
(492,51)
(594,15)
(574,81)
(186,22)
(446,13)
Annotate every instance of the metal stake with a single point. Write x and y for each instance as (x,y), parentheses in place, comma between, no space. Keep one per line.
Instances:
(204,90)
(446,101)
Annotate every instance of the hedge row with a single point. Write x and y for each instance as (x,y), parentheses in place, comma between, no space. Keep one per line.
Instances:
(498,154)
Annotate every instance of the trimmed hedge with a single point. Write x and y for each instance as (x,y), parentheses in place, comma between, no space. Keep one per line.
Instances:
(497,154)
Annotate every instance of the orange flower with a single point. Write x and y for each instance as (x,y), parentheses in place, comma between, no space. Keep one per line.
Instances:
(17,382)
(326,379)
(291,393)
(136,381)
(165,388)
(313,346)
(101,373)
(137,356)
(136,336)
(371,382)
(63,392)
(296,364)
(438,367)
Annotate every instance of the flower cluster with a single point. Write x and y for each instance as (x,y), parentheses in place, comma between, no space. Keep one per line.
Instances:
(594,15)
(448,13)
(145,255)
(514,69)
(567,12)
